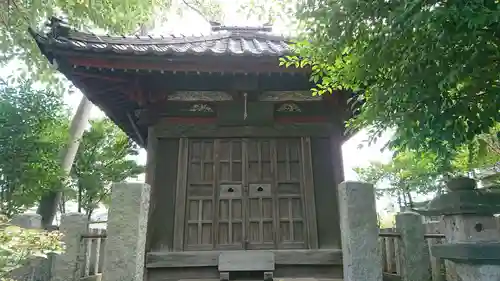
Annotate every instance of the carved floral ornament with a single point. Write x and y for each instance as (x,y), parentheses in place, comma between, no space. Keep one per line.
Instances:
(200,96)
(288,96)
(201,107)
(289,107)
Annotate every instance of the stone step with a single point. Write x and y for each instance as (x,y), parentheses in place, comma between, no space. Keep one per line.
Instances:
(276,279)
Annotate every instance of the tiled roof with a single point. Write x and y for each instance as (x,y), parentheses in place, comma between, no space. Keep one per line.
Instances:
(222,41)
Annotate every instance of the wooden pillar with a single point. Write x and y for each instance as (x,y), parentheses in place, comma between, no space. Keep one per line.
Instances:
(336,141)
(338,177)
(151,148)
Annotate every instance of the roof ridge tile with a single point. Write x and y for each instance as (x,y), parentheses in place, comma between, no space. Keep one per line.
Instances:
(235,41)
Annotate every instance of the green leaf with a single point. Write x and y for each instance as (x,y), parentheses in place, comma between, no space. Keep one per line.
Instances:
(427,70)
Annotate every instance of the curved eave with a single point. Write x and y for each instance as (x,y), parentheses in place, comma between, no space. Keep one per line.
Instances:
(52,48)
(251,45)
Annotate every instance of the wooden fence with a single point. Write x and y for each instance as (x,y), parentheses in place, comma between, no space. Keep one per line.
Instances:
(93,243)
(389,242)
(92,254)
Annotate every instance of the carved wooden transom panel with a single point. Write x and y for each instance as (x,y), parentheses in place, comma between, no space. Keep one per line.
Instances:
(200,96)
(288,96)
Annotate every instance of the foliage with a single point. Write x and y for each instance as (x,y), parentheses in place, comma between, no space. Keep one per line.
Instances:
(209,10)
(270,11)
(411,173)
(481,158)
(32,130)
(427,69)
(114,16)
(102,158)
(408,174)
(488,152)
(18,245)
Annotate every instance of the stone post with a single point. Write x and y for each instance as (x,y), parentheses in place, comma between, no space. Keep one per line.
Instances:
(472,241)
(358,222)
(126,232)
(29,221)
(415,260)
(67,265)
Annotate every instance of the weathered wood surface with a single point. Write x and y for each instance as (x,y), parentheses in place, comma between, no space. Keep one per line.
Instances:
(246,194)
(325,192)
(246,261)
(281,279)
(391,277)
(290,272)
(210,258)
(389,242)
(92,252)
(168,129)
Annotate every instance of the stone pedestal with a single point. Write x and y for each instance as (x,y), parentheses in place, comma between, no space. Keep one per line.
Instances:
(67,265)
(29,221)
(358,222)
(472,239)
(126,230)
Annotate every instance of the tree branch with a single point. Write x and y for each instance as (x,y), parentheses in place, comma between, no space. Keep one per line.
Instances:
(196,10)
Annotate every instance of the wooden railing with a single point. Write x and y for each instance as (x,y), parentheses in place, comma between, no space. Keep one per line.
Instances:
(438,268)
(92,254)
(389,241)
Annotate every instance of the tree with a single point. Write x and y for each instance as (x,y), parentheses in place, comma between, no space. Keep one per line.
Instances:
(33,125)
(102,158)
(480,159)
(270,12)
(18,245)
(141,12)
(406,175)
(114,16)
(426,69)
(411,173)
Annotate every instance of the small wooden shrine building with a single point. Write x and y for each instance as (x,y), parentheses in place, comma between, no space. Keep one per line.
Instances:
(243,161)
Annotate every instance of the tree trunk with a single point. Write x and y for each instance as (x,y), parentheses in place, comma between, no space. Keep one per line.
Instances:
(410,199)
(400,201)
(80,192)
(89,213)
(49,203)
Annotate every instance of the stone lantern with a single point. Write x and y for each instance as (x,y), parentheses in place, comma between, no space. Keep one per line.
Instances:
(472,236)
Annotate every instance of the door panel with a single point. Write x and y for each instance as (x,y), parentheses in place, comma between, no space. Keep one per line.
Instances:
(292,231)
(260,211)
(245,194)
(230,220)
(230,204)
(200,194)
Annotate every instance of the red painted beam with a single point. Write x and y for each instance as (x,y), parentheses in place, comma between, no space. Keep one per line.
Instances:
(213,120)
(301,119)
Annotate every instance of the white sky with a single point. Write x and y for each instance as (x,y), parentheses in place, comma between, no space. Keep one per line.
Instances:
(191,23)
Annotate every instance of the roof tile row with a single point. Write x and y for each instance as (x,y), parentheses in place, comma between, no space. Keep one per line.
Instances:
(238,42)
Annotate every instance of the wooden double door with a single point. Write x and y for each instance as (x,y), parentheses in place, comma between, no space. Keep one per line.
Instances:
(248,193)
